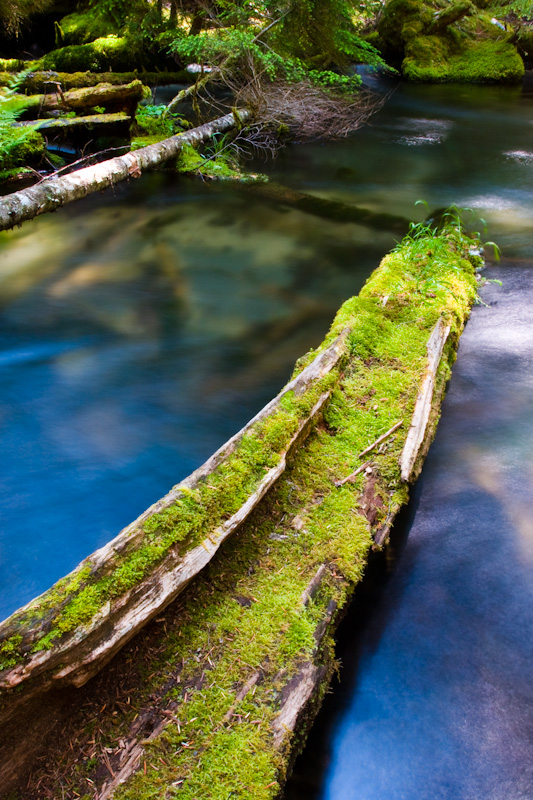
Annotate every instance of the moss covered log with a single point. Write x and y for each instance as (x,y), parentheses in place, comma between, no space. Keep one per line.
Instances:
(239,660)
(38,80)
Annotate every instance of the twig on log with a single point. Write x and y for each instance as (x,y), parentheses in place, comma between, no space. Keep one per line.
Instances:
(381,439)
(350,478)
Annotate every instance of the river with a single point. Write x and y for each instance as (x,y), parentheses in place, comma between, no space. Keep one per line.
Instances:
(142,327)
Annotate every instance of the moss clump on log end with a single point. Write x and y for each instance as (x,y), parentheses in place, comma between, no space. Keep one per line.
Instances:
(108,53)
(430,59)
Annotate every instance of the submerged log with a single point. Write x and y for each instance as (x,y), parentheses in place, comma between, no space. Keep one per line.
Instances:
(52,192)
(328,209)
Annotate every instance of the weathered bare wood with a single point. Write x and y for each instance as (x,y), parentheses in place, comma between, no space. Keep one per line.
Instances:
(417,429)
(55,192)
(313,585)
(301,689)
(192,90)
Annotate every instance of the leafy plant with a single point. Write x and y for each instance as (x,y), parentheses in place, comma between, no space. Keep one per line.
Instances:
(426,251)
(17,144)
(153,120)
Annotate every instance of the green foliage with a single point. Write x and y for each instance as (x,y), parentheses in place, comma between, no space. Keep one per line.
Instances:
(153,120)
(522,8)
(293,50)
(18,146)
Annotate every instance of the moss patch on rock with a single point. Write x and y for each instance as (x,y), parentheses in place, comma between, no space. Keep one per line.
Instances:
(432,59)
(436,41)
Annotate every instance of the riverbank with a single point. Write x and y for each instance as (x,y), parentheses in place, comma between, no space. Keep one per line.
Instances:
(252,635)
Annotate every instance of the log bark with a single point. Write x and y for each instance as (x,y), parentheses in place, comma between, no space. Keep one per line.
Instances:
(53,192)
(36,81)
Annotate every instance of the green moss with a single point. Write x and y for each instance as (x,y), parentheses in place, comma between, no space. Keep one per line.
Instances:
(430,59)
(109,52)
(83,27)
(437,42)
(10,653)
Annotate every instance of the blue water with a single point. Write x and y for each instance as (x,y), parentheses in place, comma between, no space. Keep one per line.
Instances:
(435,700)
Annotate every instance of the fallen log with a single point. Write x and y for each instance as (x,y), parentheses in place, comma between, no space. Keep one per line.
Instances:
(36,81)
(248,647)
(51,193)
(123,97)
(64,123)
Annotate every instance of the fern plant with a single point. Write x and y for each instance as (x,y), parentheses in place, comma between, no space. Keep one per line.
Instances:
(18,145)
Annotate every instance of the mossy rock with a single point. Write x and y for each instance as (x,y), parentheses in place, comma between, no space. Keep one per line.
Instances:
(431,59)
(83,27)
(437,41)
(117,53)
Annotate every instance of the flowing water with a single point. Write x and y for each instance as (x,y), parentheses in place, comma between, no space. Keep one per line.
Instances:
(142,327)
